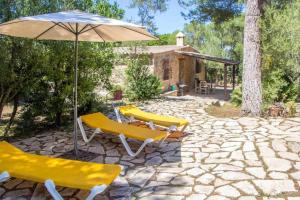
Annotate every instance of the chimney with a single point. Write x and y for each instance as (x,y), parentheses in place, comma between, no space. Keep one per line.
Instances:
(180,39)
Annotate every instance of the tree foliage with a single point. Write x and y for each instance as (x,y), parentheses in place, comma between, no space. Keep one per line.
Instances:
(21,64)
(42,71)
(216,11)
(141,84)
(107,9)
(215,33)
(147,10)
(164,39)
(95,67)
(220,11)
(223,40)
(281,58)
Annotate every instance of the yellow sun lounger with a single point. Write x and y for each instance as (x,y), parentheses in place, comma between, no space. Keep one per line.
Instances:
(51,171)
(103,124)
(166,121)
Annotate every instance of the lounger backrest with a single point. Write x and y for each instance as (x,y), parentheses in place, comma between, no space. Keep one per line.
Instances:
(98,120)
(162,120)
(64,172)
(5,147)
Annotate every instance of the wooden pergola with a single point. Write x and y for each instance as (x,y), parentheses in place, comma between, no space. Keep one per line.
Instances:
(226,63)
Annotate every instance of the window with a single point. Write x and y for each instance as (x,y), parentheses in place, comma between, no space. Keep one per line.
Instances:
(198,66)
(166,69)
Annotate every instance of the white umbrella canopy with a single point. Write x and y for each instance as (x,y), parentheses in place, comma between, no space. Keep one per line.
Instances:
(65,25)
(74,26)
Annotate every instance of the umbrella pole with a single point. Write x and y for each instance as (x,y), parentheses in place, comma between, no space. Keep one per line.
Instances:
(75,93)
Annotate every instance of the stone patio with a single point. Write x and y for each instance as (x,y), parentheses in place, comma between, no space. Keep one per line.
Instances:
(244,158)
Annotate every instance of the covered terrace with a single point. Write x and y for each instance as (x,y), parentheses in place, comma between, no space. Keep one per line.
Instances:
(227,63)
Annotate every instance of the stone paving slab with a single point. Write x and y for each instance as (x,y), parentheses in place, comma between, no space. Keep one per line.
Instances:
(222,158)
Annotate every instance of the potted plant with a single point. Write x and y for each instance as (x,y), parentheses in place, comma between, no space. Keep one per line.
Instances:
(117,92)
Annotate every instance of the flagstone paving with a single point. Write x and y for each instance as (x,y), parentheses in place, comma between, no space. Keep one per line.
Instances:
(242,158)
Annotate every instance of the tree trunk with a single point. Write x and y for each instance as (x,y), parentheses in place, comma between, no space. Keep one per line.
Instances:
(8,90)
(58,116)
(1,110)
(13,115)
(252,88)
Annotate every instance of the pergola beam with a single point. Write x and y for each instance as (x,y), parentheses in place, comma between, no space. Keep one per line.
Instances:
(225,81)
(210,58)
(233,76)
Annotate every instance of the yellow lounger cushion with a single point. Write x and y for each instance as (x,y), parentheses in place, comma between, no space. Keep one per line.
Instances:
(161,120)
(5,147)
(98,120)
(66,173)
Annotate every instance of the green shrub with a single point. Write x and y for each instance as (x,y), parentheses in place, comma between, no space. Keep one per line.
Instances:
(291,108)
(116,88)
(280,53)
(279,88)
(236,97)
(51,96)
(140,83)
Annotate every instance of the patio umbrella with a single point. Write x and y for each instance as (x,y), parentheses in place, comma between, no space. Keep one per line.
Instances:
(74,26)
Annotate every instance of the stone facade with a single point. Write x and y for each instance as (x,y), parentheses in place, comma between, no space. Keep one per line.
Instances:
(170,66)
(176,63)
(168,63)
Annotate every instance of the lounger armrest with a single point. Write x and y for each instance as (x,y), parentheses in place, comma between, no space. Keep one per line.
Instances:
(117,112)
(128,149)
(83,133)
(96,190)
(172,128)
(151,125)
(4,176)
(49,184)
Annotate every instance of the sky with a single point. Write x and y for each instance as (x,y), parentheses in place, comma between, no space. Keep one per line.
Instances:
(166,22)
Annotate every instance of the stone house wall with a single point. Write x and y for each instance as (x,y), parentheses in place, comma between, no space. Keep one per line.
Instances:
(157,67)
(173,59)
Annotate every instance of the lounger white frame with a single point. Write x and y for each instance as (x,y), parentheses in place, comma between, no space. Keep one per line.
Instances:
(121,136)
(149,123)
(50,185)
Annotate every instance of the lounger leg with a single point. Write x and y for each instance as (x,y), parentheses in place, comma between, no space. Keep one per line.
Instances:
(163,140)
(84,136)
(118,115)
(169,132)
(49,184)
(183,128)
(172,128)
(131,119)
(117,112)
(128,149)
(151,125)
(96,190)
(4,176)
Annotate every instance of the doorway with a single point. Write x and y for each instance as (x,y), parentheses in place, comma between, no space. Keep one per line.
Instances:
(181,71)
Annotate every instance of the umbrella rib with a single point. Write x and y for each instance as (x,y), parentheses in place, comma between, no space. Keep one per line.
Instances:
(37,37)
(66,28)
(71,27)
(139,32)
(97,32)
(90,28)
(83,28)
(4,24)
